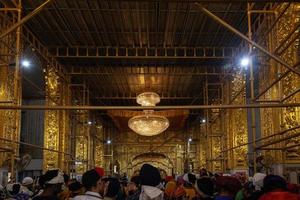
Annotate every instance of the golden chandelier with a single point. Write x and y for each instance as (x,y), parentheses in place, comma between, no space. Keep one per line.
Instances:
(148,124)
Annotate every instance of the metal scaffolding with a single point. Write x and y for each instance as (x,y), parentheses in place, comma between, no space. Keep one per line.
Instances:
(145,53)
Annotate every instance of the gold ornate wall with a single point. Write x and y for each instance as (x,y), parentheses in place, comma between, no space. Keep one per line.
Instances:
(235,123)
(87,135)
(131,145)
(98,144)
(10,89)
(80,129)
(56,127)
(216,135)
(283,40)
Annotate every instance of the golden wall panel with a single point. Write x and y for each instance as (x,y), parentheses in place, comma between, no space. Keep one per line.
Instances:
(236,125)
(51,134)
(81,154)
(10,90)
(129,146)
(275,120)
(56,129)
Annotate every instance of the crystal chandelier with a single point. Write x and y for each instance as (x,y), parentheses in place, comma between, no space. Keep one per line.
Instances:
(148,124)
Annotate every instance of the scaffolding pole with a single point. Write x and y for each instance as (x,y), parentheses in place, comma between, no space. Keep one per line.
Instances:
(252,110)
(192,107)
(24,19)
(241,35)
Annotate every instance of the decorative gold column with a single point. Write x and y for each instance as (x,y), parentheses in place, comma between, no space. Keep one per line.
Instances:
(10,88)
(216,146)
(98,144)
(51,134)
(56,134)
(81,129)
(236,124)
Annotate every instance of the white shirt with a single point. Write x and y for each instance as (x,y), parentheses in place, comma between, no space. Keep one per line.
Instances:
(89,196)
(151,193)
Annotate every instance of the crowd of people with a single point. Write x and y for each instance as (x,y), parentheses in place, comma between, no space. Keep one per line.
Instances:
(149,185)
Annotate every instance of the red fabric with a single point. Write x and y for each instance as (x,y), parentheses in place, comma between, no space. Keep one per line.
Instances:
(100,171)
(293,188)
(169,178)
(279,196)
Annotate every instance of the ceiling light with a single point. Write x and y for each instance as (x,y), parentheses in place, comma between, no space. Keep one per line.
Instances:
(245,61)
(148,124)
(190,140)
(89,122)
(108,142)
(25,63)
(203,120)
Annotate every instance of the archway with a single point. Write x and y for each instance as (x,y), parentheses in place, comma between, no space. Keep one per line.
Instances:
(159,160)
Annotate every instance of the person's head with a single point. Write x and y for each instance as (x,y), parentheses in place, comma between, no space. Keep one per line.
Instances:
(149,175)
(113,187)
(274,182)
(190,179)
(52,181)
(203,172)
(13,189)
(205,187)
(227,186)
(133,185)
(100,171)
(91,180)
(124,181)
(66,179)
(27,182)
(75,188)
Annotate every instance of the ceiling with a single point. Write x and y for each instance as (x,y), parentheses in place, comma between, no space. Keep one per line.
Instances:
(167,47)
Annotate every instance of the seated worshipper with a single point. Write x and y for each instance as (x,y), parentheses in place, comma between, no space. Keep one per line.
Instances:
(133,188)
(227,187)
(275,187)
(27,186)
(51,183)
(205,188)
(91,180)
(112,189)
(14,192)
(189,182)
(150,180)
(75,189)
